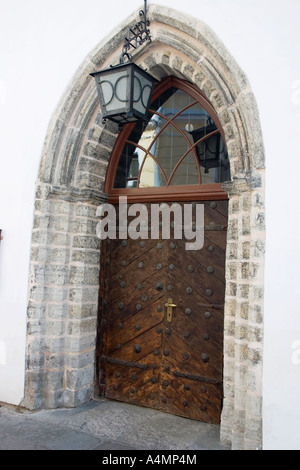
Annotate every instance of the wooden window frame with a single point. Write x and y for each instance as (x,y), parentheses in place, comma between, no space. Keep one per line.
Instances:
(193,192)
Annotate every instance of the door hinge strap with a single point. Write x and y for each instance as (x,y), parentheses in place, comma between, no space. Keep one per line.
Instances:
(198,378)
(119,362)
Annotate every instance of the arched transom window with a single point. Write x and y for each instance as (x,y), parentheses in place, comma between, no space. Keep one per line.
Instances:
(181,149)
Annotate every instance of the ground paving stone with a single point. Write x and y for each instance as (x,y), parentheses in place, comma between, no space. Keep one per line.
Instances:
(103,425)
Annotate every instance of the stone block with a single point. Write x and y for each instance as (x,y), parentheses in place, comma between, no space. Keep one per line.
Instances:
(50,275)
(229,367)
(47,254)
(34,398)
(253,429)
(80,378)
(231,271)
(255,314)
(54,344)
(240,376)
(36,310)
(170,17)
(254,380)
(246,101)
(85,210)
(86,257)
(81,241)
(249,270)
(258,221)
(246,230)
(82,327)
(229,348)
(243,311)
(74,398)
(92,166)
(241,352)
(56,328)
(166,58)
(231,307)
(189,71)
(239,413)
(226,434)
(218,101)
(84,275)
(257,293)
(36,327)
(54,380)
(86,226)
(233,229)
(232,251)
(243,291)
(57,311)
(228,390)
(255,356)
(254,409)
(34,358)
(231,289)
(82,311)
(238,440)
(234,206)
(54,361)
(246,250)
(84,294)
(48,238)
(228,413)
(87,180)
(77,344)
(177,64)
(99,153)
(54,399)
(241,331)
(81,360)
(255,334)
(229,327)
(258,249)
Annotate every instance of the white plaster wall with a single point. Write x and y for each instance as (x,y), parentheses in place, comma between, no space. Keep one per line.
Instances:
(42,42)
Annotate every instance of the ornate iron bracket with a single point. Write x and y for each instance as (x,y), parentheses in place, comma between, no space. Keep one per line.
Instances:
(137,35)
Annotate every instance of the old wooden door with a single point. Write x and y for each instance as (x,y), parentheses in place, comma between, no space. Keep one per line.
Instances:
(160,341)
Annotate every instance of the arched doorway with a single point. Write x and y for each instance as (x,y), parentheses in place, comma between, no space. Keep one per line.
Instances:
(64,266)
(161,319)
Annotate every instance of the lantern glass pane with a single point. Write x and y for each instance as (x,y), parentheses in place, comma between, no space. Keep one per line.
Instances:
(114,89)
(142,92)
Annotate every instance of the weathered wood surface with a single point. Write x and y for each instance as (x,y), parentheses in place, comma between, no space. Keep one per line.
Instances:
(143,359)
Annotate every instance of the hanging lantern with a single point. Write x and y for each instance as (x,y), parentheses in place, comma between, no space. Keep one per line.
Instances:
(124,92)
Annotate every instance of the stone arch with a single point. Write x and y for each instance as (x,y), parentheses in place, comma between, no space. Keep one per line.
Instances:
(64,267)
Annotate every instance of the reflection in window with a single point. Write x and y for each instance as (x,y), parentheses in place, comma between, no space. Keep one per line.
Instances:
(181,145)
(212,154)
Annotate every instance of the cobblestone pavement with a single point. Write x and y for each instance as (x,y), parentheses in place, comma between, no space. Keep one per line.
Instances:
(103,425)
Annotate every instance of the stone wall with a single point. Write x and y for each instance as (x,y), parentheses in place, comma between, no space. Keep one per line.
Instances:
(64,268)
(243,336)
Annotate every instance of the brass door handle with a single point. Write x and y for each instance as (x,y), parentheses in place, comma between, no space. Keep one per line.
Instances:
(170,307)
